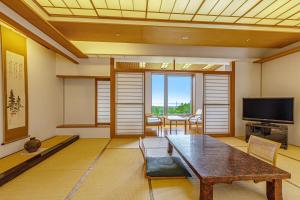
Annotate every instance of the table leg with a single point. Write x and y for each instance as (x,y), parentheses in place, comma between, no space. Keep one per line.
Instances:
(274,189)
(170,148)
(206,191)
(170,126)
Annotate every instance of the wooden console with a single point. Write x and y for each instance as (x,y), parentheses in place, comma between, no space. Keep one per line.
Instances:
(277,133)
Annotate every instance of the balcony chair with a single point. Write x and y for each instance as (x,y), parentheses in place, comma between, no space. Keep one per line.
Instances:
(153,120)
(195,119)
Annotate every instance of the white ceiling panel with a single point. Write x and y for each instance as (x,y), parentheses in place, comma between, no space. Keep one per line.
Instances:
(284,8)
(269,21)
(113,4)
(260,7)
(245,20)
(58,3)
(140,5)
(72,3)
(289,23)
(193,6)
(180,6)
(126,4)
(204,18)
(134,14)
(270,9)
(154,5)
(164,16)
(109,13)
(226,19)
(100,3)
(221,5)
(207,7)
(44,2)
(181,17)
(167,6)
(58,11)
(85,4)
(245,7)
(235,4)
(84,12)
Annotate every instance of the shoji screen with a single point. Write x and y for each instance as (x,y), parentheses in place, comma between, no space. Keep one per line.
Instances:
(129,103)
(216,104)
(103,101)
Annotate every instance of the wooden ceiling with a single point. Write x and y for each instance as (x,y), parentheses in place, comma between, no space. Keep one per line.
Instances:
(285,13)
(79,31)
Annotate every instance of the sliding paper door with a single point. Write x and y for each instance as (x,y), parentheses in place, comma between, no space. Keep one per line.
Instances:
(129,103)
(216,104)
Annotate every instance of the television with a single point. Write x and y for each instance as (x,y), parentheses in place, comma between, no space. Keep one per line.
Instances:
(269,110)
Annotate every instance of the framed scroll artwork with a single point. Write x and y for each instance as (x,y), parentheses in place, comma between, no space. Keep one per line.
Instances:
(15,92)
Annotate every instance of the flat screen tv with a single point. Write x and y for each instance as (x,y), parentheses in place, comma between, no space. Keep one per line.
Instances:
(269,110)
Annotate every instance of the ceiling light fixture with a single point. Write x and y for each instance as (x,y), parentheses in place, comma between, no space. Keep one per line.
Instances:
(117,34)
(185,37)
(164,66)
(142,64)
(185,66)
(208,66)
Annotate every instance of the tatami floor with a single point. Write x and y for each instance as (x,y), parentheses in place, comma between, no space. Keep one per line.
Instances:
(113,170)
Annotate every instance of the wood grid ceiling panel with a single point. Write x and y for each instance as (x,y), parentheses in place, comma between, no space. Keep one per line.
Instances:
(281,13)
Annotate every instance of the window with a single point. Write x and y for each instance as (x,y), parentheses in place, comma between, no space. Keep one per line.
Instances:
(171,94)
(179,94)
(103,101)
(158,95)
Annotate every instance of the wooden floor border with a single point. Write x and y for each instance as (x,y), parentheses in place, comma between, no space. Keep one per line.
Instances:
(24,166)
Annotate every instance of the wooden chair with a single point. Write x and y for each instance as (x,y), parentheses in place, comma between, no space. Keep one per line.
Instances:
(162,167)
(195,119)
(263,149)
(153,120)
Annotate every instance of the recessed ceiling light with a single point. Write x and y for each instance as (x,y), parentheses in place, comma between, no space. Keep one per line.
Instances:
(185,66)
(185,37)
(117,34)
(142,64)
(164,66)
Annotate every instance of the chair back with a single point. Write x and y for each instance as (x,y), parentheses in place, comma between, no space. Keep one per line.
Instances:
(199,112)
(263,149)
(142,148)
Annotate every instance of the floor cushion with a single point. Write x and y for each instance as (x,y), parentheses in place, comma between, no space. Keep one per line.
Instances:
(165,167)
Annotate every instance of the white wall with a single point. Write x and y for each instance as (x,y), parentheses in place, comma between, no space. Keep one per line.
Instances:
(87,67)
(77,95)
(281,79)
(43,102)
(247,84)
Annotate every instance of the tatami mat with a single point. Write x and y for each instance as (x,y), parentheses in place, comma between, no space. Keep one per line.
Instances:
(55,177)
(21,156)
(118,174)
(123,143)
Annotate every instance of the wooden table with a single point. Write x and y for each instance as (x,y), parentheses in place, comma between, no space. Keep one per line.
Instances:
(216,162)
(176,118)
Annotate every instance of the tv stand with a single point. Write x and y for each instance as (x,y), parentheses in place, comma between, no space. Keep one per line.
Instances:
(277,133)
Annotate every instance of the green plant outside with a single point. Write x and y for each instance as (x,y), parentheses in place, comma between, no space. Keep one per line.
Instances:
(183,108)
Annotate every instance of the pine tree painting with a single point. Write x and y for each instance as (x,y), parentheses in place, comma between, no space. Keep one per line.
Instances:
(14,104)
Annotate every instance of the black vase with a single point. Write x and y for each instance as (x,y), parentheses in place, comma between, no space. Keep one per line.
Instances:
(32,145)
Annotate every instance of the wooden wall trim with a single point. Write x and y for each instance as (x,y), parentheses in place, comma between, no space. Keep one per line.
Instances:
(81,76)
(278,55)
(232,100)
(112,98)
(21,8)
(34,37)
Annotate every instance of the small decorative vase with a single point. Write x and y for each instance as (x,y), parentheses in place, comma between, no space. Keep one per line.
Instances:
(32,145)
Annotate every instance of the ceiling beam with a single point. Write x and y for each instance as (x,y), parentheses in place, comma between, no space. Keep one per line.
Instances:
(278,55)
(22,9)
